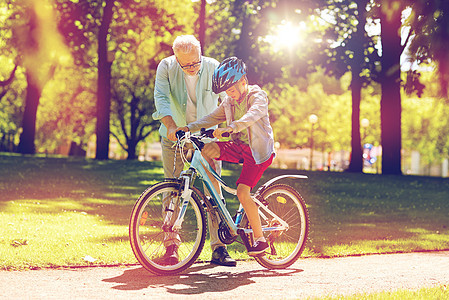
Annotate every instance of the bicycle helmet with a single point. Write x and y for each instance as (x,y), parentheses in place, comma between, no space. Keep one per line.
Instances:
(228,72)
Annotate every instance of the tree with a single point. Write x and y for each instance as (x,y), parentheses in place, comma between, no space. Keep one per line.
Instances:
(104,84)
(31,38)
(142,36)
(358,45)
(202,25)
(126,30)
(429,22)
(428,27)
(390,79)
(353,52)
(240,28)
(67,110)
(86,27)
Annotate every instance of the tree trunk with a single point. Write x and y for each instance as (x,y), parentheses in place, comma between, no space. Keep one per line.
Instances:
(356,160)
(358,47)
(390,103)
(202,23)
(104,86)
(243,44)
(132,150)
(33,94)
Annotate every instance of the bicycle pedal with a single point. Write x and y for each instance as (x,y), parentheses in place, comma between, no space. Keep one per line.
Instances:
(260,254)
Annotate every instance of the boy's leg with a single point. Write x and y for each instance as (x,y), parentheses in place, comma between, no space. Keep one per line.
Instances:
(250,175)
(250,207)
(215,241)
(211,152)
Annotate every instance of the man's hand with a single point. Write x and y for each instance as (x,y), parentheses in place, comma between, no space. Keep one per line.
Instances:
(172,133)
(171,127)
(218,133)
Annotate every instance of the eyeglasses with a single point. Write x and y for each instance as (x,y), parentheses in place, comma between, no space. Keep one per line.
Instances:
(191,66)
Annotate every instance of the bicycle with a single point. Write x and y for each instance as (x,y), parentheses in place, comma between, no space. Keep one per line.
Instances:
(283,212)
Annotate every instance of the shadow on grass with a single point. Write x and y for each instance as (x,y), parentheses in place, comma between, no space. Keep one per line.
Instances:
(54,185)
(347,211)
(197,280)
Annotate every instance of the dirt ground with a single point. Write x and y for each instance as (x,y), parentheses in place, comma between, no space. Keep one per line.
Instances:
(307,278)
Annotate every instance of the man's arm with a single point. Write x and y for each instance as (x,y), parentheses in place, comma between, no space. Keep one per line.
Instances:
(161,96)
(171,127)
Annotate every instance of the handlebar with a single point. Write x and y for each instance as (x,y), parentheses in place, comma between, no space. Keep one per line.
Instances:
(180,134)
(210,133)
(203,134)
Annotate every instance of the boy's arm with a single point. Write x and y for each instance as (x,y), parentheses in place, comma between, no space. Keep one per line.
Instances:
(258,109)
(214,118)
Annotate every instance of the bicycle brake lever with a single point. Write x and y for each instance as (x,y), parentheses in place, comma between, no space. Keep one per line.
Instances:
(207,133)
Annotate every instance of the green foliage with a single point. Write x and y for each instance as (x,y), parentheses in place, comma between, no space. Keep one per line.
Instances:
(11,95)
(370,110)
(350,47)
(142,32)
(429,21)
(142,36)
(246,29)
(11,104)
(425,123)
(67,109)
(291,106)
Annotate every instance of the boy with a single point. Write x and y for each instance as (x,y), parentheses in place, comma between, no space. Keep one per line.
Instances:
(245,110)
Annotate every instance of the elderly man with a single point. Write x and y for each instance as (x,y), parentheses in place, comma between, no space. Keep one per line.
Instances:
(183,94)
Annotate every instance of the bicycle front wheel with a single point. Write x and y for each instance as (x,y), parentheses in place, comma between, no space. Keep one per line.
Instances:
(285,246)
(149,237)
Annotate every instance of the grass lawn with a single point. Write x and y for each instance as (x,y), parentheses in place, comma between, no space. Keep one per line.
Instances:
(69,211)
(439,292)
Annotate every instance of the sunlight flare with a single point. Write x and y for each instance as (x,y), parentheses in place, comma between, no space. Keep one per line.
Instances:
(287,35)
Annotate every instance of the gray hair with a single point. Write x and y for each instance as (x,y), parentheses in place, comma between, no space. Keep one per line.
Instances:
(186,44)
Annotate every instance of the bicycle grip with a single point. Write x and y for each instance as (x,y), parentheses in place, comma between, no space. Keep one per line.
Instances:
(180,134)
(210,133)
(207,133)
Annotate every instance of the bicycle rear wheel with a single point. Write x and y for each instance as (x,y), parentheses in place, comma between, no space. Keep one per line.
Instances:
(285,246)
(149,239)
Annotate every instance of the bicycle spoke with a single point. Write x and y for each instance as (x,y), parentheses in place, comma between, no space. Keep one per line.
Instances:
(149,240)
(286,245)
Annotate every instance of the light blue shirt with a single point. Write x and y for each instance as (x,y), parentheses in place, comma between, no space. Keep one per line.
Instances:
(170,91)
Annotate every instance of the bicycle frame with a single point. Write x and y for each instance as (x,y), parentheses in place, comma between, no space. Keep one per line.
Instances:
(199,165)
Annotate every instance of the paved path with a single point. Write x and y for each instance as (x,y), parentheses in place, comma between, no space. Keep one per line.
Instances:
(307,278)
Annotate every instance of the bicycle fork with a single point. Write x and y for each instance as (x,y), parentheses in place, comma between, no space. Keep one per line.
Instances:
(184,192)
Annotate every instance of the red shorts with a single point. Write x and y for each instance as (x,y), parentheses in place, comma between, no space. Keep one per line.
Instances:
(241,153)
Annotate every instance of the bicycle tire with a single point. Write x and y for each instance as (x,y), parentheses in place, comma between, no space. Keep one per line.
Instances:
(147,236)
(287,246)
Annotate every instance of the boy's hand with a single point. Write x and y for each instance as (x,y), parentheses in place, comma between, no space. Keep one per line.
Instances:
(218,133)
